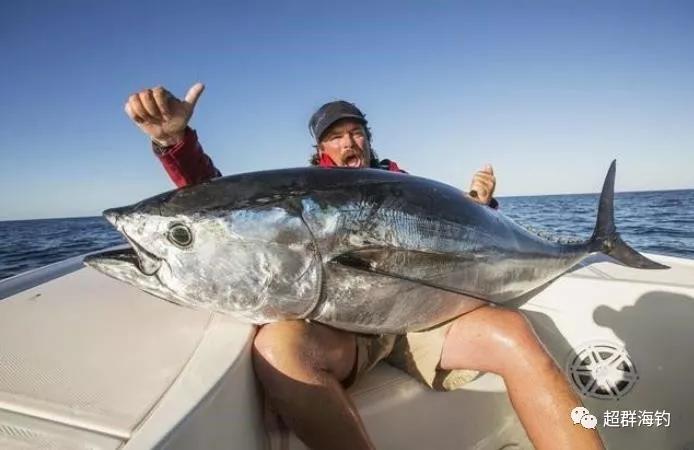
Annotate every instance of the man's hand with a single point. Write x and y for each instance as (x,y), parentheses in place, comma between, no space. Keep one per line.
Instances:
(483,185)
(162,116)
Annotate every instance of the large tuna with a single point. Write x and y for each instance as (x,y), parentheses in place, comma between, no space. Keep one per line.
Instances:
(363,250)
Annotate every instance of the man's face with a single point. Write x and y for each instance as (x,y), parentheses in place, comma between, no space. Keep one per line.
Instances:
(347,144)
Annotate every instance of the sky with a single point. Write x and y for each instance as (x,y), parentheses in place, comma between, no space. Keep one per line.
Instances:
(547,92)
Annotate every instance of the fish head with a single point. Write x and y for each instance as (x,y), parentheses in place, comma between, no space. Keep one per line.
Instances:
(223,257)
(164,251)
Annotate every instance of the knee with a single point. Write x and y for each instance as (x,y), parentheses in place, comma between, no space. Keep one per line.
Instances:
(512,328)
(299,350)
(278,345)
(514,334)
(496,340)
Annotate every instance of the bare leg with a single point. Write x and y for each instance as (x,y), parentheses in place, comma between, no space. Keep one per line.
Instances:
(503,341)
(300,366)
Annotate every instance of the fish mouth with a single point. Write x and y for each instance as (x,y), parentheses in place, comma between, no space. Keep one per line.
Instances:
(129,257)
(123,264)
(121,256)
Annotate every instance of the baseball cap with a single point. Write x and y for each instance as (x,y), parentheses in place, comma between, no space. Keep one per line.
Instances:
(330,113)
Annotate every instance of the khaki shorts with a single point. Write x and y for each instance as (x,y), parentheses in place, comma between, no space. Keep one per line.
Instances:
(418,354)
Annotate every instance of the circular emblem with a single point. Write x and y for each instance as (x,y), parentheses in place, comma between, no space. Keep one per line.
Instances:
(602,370)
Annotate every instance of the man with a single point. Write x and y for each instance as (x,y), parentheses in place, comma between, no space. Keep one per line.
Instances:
(305,367)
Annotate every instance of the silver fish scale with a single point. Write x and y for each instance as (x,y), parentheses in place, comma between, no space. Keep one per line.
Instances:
(361,250)
(441,252)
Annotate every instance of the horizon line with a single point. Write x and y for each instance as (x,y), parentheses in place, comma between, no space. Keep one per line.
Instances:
(500,197)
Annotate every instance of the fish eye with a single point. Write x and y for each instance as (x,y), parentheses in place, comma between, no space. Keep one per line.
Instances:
(180,235)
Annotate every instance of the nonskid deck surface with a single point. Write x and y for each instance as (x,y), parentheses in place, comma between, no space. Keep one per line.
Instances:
(89,360)
(88,353)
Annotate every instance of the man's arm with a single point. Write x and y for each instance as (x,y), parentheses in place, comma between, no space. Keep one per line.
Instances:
(164,118)
(186,162)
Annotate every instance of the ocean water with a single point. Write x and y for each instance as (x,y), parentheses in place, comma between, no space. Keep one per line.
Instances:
(655,222)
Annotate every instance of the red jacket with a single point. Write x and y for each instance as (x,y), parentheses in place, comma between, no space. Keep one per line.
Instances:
(186,162)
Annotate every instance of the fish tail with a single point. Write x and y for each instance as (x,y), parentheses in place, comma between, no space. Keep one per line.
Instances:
(606,239)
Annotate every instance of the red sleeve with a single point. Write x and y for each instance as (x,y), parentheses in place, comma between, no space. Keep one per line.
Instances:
(186,162)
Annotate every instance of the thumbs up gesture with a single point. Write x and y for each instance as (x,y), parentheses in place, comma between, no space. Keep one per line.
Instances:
(162,116)
(483,185)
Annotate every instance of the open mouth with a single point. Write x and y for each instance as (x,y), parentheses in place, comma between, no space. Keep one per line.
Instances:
(353,161)
(121,255)
(125,264)
(134,255)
